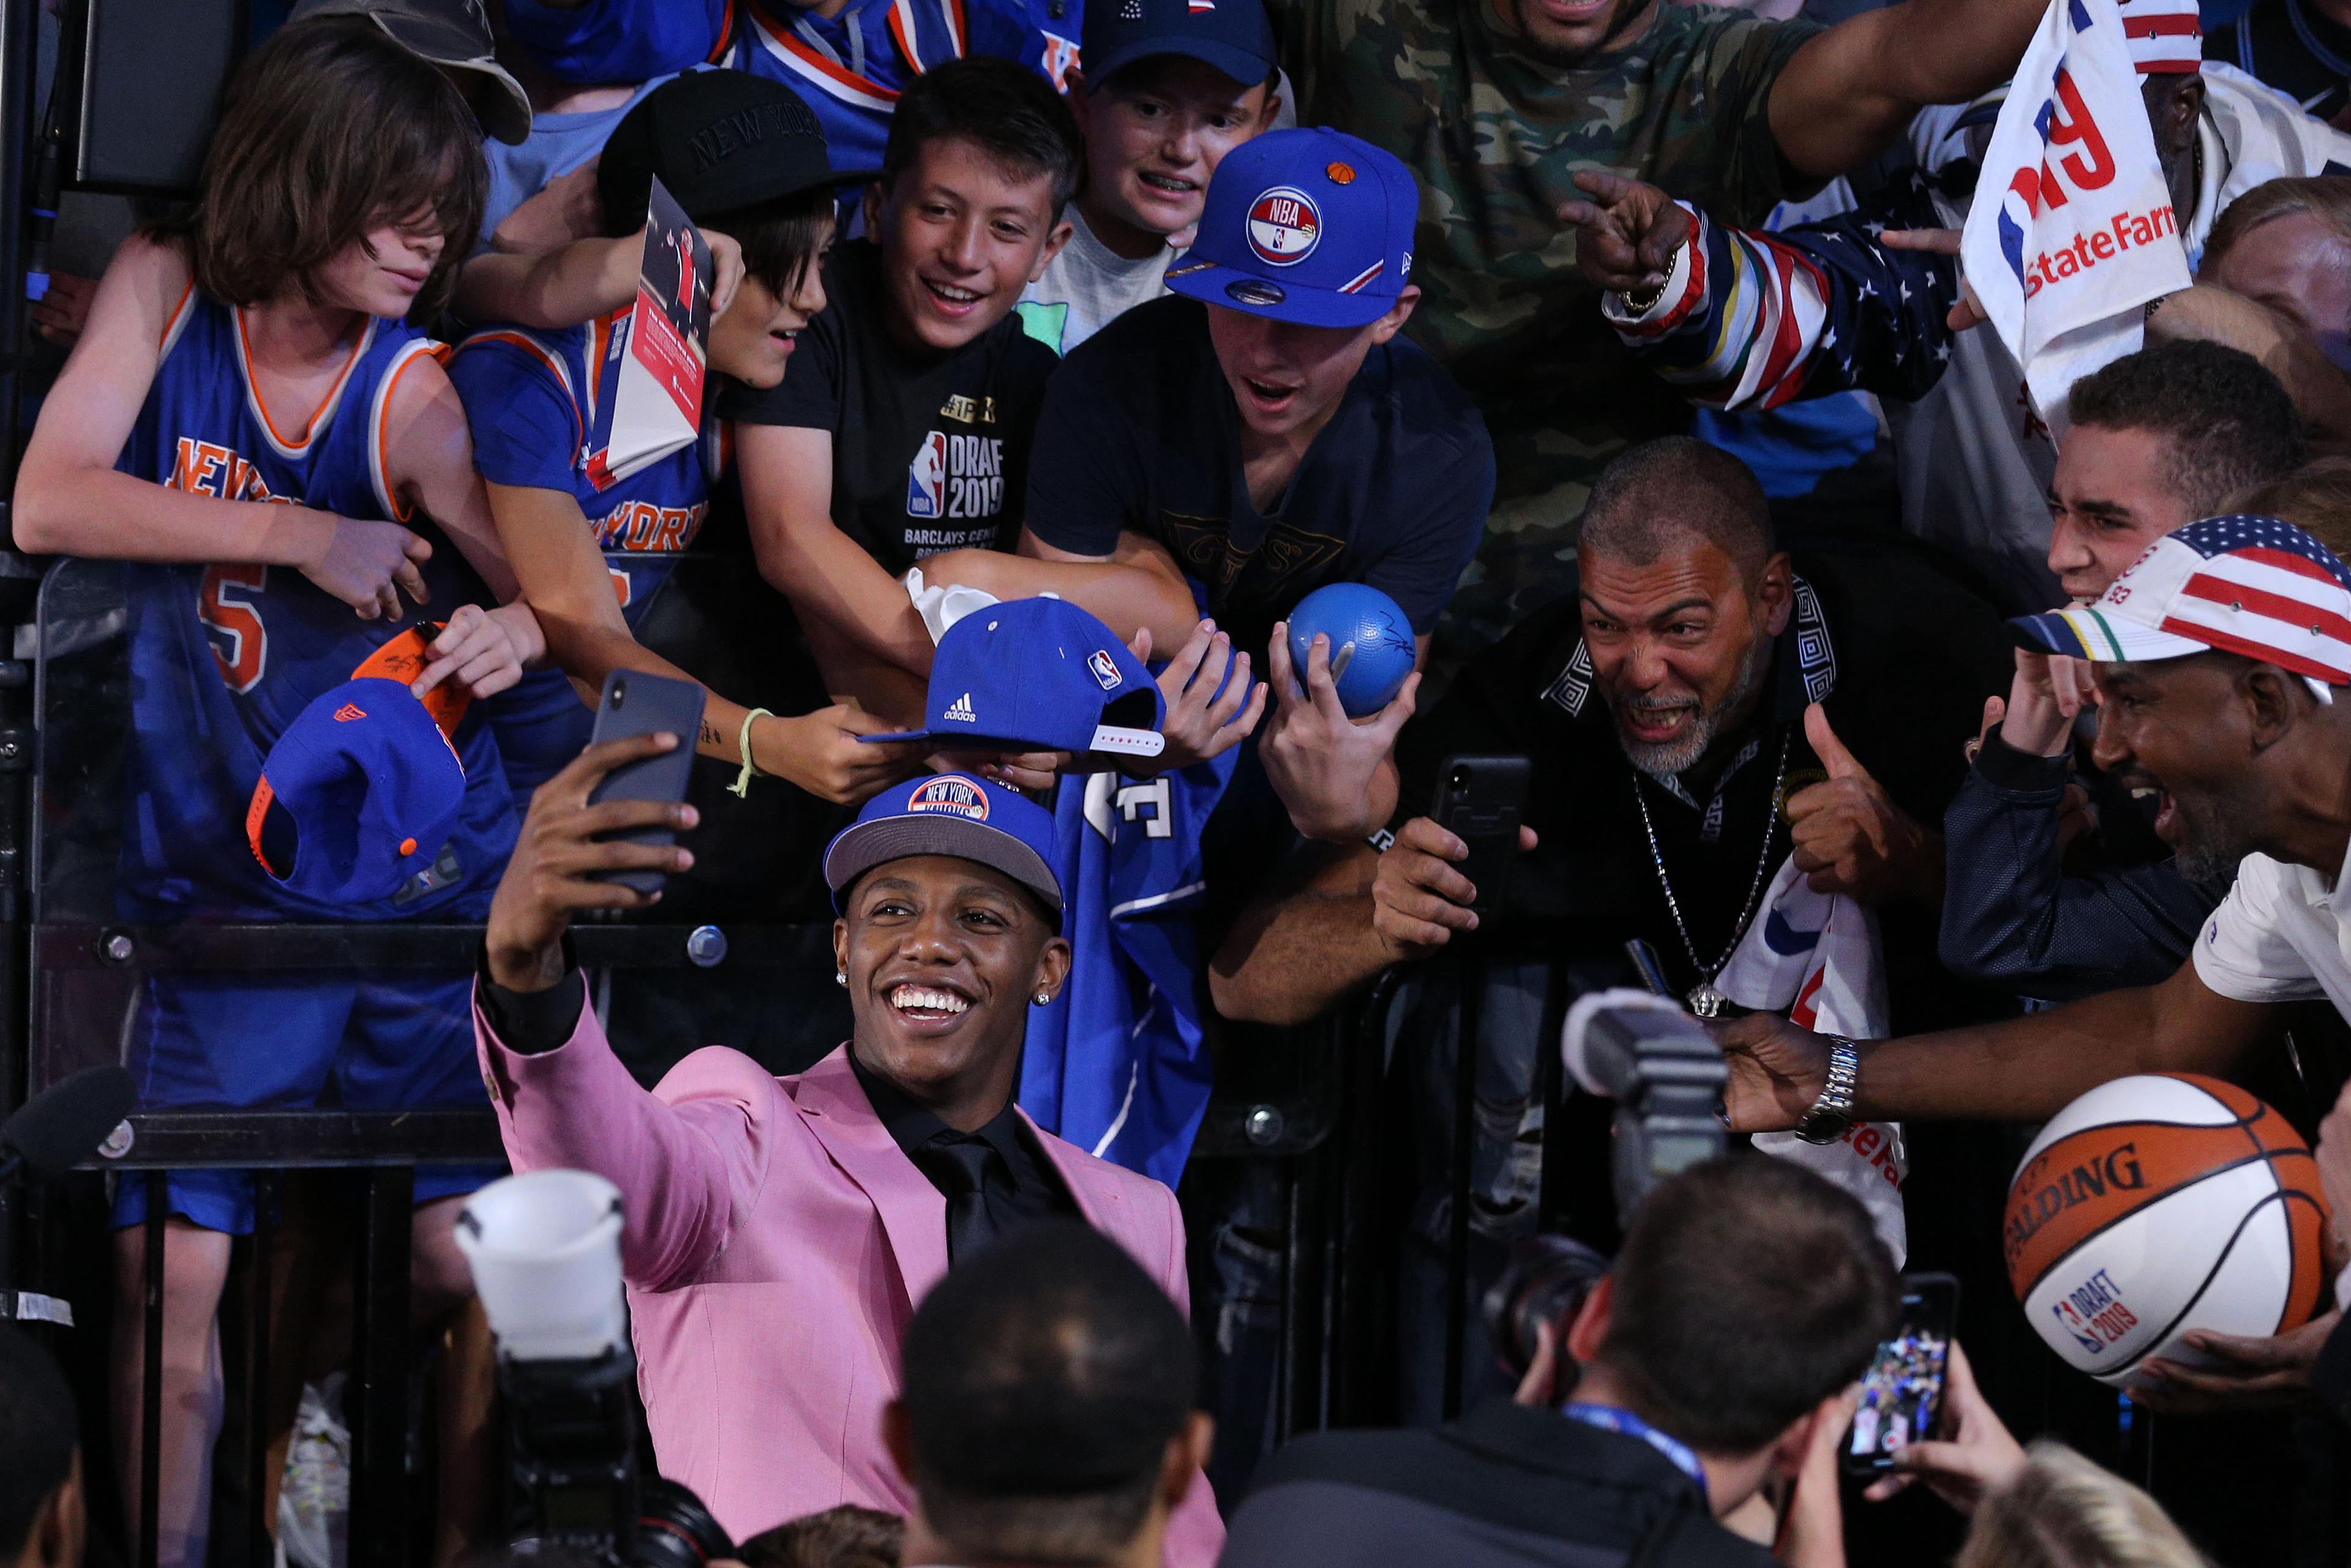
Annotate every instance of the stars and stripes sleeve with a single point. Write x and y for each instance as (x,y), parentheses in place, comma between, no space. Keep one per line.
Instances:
(1751,320)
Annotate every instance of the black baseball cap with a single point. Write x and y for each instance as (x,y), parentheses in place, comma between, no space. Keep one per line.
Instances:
(454,35)
(1233,35)
(720,141)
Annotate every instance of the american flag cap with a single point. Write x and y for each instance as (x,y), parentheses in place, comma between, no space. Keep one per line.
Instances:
(2165,37)
(2239,584)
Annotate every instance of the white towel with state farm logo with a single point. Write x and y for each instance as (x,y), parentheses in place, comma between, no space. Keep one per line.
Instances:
(1816,958)
(2072,229)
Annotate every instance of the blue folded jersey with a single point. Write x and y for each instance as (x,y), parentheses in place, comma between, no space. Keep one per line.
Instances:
(1118,1064)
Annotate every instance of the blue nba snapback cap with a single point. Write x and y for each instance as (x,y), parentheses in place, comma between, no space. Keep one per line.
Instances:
(1233,35)
(1039,674)
(949,814)
(1311,227)
(358,796)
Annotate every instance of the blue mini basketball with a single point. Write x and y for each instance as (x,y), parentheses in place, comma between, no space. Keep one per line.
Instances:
(1372,644)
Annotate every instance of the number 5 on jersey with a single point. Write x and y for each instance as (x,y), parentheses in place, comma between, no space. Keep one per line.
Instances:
(240,642)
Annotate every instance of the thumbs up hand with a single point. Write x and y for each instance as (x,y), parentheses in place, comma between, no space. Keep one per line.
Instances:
(1851,837)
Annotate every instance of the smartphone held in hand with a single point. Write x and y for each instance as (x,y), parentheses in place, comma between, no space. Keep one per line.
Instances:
(634,704)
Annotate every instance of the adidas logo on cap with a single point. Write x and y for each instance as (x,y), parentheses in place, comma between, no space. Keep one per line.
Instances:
(960,710)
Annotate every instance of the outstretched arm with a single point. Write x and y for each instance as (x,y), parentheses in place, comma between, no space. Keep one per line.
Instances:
(1848,94)
(566,584)
(2019,1070)
(687,1163)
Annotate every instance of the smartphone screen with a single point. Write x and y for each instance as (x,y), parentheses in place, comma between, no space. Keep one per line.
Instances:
(1902,1393)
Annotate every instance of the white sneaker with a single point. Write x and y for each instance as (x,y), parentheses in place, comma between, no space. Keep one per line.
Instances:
(314,1497)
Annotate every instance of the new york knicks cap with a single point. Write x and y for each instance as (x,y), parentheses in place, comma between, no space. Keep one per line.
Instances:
(1233,35)
(721,141)
(1039,674)
(358,796)
(949,814)
(2240,584)
(1312,226)
(454,35)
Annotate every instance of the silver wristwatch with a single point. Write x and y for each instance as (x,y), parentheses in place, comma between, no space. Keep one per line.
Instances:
(1831,1113)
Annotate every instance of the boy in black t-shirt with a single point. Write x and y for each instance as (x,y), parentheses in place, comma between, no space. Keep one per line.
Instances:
(902,427)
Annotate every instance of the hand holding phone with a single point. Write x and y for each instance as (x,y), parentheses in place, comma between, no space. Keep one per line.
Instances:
(1480,801)
(635,703)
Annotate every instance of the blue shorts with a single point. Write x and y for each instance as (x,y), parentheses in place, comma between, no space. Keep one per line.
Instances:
(282,1040)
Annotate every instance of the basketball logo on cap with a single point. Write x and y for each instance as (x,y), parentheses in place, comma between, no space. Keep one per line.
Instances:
(956,797)
(1104,669)
(1283,224)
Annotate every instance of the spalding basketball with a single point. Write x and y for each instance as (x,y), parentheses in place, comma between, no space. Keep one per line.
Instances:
(2158,1203)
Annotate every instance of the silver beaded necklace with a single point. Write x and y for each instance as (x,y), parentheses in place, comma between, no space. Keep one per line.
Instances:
(1704,1000)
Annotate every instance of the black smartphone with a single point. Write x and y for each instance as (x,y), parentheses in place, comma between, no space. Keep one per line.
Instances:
(1480,801)
(1902,1393)
(634,704)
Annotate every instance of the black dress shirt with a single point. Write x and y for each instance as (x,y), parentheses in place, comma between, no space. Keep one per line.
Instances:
(994,1179)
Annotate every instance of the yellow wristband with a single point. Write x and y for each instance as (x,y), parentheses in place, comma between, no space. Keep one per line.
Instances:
(741,788)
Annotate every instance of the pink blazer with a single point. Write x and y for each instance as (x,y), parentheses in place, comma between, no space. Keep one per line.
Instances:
(776,1242)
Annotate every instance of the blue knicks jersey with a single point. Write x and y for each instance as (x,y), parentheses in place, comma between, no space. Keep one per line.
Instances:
(533,400)
(852,69)
(1118,1064)
(222,657)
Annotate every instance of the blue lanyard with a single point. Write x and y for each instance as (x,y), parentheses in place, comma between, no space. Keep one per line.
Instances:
(1608,1418)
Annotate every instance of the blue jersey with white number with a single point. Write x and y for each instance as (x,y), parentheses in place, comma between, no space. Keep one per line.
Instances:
(1118,1064)
(222,657)
(533,400)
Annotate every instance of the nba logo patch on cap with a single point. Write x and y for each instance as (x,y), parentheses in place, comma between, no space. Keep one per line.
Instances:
(926,478)
(948,794)
(1105,669)
(1283,226)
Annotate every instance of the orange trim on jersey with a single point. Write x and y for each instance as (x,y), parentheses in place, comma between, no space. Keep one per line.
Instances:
(840,81)
(726,36)
(324,410)
(378,438)
(902,27)
(538,350)
(175,319)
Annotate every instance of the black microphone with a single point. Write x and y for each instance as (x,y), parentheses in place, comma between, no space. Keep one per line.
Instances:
(65,1121)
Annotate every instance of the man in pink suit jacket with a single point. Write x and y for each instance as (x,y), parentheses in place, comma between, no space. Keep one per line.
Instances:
(777,1237)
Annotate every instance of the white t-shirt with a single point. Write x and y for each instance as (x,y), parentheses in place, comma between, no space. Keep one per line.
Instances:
(1088,286)
(2282,934)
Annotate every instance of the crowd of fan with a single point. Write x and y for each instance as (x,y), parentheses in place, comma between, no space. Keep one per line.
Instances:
(1014,299)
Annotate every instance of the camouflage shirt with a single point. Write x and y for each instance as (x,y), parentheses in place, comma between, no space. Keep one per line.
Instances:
(1494,137)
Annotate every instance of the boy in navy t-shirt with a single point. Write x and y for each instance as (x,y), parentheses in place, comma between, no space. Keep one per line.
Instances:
(1271,433)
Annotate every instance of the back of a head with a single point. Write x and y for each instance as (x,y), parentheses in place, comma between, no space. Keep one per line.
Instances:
(1664,495)
(847,1536)
(37,1436)
(2224,422)
(2062,1511)
(1043,1379)
(1747,1291)
(1006,110)
(2315,497)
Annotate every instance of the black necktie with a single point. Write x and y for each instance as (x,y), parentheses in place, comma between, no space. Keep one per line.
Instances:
(966,1166)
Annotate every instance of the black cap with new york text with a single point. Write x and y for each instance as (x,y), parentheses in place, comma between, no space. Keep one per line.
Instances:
(720,141)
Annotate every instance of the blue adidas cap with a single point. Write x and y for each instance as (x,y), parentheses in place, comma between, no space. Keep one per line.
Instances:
(1233,35)
(949,814)
(358,796)
(1039,674)
(1311,227)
